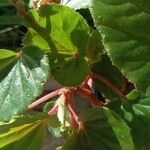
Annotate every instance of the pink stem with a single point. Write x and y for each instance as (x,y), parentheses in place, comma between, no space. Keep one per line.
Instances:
(73,113)
(43,99)
(53,110)
(69,103)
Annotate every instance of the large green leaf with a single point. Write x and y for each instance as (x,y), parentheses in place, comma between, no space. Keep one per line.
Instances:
(19,129)
(103,130)
(21,79)
(124,26)
(137,115)
(61,36)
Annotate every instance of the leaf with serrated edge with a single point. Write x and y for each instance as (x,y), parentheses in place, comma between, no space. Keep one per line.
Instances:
(103,130)
(111,73)
(124,26)
(21,84)
(137,115)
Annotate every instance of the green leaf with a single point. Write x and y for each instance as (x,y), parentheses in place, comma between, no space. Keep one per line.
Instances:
(33,140)
(137,116)
(21,82)
(19,129)
(111,73)
(133,95)
(71,72)
(60,33)
(124,26)
(55,131)
(103,130)
(6,58)
(33,38)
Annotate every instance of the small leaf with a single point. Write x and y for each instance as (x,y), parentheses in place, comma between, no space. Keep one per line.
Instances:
(103,130)
(21,82)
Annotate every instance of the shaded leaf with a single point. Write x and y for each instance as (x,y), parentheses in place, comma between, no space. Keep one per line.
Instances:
(112,74)
(33,140)
(95,47)
(61,39)
(22,129)
(103,130)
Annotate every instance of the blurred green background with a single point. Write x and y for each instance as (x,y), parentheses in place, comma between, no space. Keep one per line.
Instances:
(12,29)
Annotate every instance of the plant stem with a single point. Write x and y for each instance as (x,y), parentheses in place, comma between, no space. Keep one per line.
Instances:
(53,110)
(45,98)
(108,83)
(89,96)
(69,103)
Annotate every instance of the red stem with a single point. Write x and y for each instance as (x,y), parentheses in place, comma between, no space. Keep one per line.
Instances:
(108,83)
(45,98)
(89,96)
(69,103)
